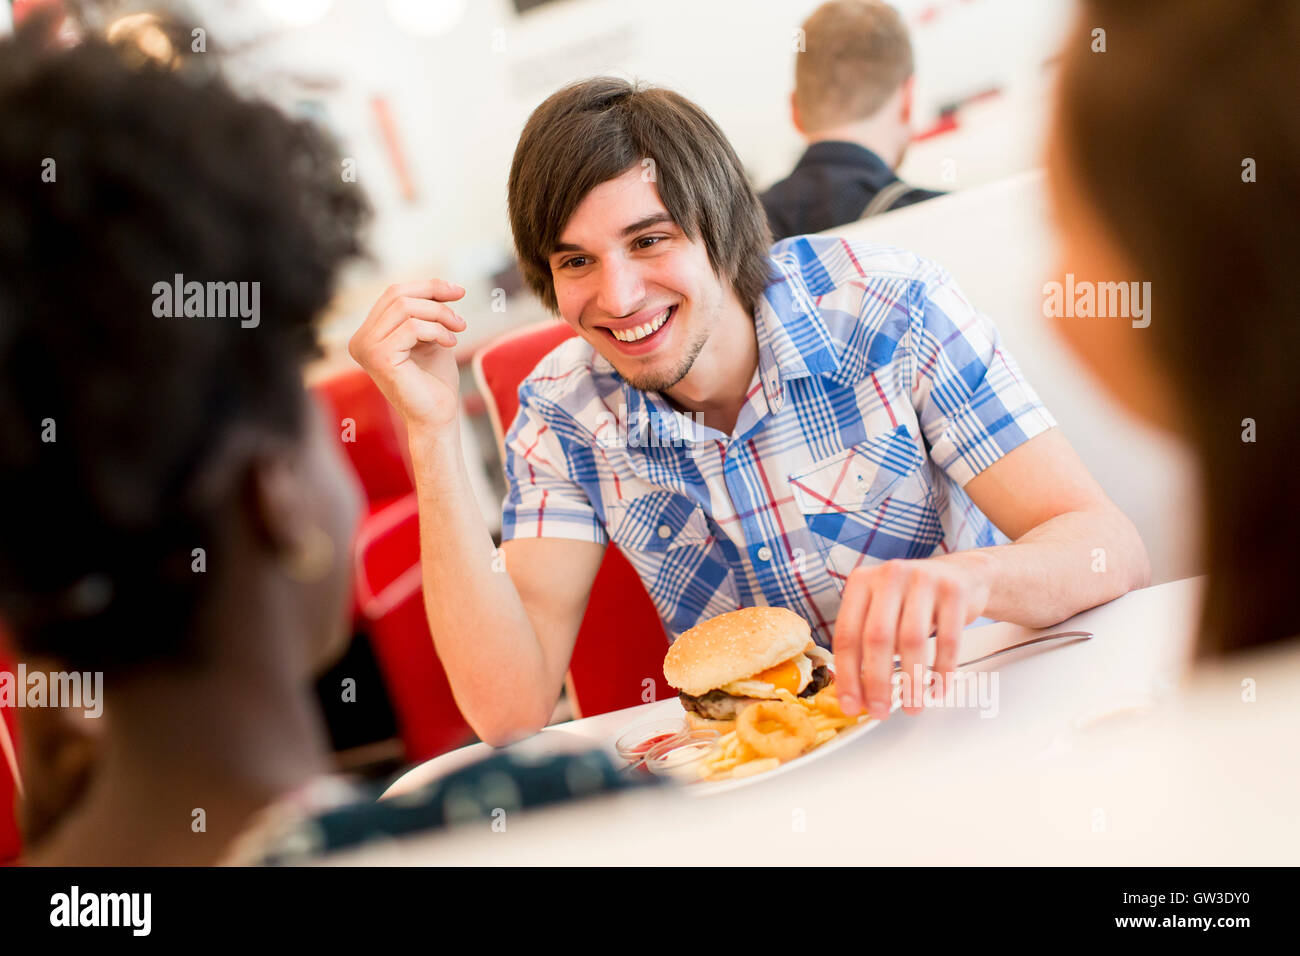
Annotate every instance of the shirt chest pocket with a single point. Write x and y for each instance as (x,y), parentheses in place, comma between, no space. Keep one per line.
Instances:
(871,502)
(666,538)
(657,521)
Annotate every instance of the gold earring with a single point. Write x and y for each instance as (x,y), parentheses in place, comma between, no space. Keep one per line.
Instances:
(312,559)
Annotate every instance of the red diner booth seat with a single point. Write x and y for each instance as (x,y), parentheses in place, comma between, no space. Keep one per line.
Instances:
(372,435)
(622,641)
(10,842)
(388,603)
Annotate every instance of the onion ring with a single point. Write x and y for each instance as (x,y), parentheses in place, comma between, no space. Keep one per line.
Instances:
(776,729)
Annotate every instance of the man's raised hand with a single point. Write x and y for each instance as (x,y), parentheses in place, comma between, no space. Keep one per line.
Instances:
(405,345)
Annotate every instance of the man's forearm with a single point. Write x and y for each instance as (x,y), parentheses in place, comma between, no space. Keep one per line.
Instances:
(1065,565)
(480,628)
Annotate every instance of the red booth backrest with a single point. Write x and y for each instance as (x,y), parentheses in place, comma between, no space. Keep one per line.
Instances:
(10,844)
(622,641)
(389,606)
(372,434)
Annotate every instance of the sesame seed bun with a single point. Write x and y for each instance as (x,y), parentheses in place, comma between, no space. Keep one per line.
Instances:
(733,646)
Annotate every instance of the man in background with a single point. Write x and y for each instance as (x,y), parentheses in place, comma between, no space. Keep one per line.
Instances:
(852,102)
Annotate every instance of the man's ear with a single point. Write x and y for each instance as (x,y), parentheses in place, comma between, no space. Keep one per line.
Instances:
(909,88)
(794,115)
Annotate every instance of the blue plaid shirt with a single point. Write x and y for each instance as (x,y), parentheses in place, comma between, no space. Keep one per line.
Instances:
(880,391)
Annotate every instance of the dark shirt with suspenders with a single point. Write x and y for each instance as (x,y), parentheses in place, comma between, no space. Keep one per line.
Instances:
(832,185)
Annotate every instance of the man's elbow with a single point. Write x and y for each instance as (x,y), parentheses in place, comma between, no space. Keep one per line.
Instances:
(1139,563)
(503,729)
(1142,568)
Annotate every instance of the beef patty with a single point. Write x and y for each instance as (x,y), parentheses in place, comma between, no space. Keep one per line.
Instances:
(719,705)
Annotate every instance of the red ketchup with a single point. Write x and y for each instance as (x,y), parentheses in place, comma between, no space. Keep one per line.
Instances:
(643,748)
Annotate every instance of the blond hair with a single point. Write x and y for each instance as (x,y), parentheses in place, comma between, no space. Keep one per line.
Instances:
(856,54)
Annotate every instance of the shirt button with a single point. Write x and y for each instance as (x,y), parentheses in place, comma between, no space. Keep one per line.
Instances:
(665,531)
(765,553)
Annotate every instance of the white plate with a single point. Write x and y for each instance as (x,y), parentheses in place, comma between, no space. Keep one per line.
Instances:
(545,743)
(705,788)
(552,741)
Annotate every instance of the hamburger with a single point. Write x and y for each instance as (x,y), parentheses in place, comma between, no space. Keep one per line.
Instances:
(731,661)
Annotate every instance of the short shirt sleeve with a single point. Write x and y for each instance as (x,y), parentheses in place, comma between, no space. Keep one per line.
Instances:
(972,400)
(542,499)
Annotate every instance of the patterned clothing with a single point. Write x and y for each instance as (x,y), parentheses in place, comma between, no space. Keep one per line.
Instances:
(880,391)
(333,815)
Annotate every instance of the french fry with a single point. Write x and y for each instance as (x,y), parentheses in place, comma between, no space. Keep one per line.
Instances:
(828,701)
(733,757)
(756,766)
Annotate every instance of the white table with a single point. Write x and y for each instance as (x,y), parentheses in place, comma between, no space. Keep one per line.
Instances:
(1100,751)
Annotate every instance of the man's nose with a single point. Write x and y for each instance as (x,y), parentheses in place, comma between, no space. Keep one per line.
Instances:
(621,290)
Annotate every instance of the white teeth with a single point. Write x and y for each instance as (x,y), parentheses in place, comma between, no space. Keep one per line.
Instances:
(641,331)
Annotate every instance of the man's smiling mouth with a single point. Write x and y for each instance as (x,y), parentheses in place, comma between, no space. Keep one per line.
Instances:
(645,330)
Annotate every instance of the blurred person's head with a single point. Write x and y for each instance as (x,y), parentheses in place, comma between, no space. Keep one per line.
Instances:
(1152,164)
(175,509)
(853,78)
(631,213)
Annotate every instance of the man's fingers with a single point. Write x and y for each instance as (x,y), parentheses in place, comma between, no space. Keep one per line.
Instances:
(846,644)
(914,626)
(438,290)
(370,346)
(880,636)
(411,333)
(950,618)
(409,307)
(444,291)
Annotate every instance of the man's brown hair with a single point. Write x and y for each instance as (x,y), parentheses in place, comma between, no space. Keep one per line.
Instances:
(856,54)
(596,130)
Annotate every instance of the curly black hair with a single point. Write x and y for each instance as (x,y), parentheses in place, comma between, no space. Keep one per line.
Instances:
(118,177)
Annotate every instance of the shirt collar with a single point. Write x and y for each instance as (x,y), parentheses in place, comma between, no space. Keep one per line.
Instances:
(793,343)
(835,153)
(650,410)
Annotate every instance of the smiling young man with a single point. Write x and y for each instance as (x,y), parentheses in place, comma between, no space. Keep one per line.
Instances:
(837,430)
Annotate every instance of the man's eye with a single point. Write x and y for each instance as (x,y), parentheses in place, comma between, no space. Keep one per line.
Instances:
(645,242)
(577,262)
